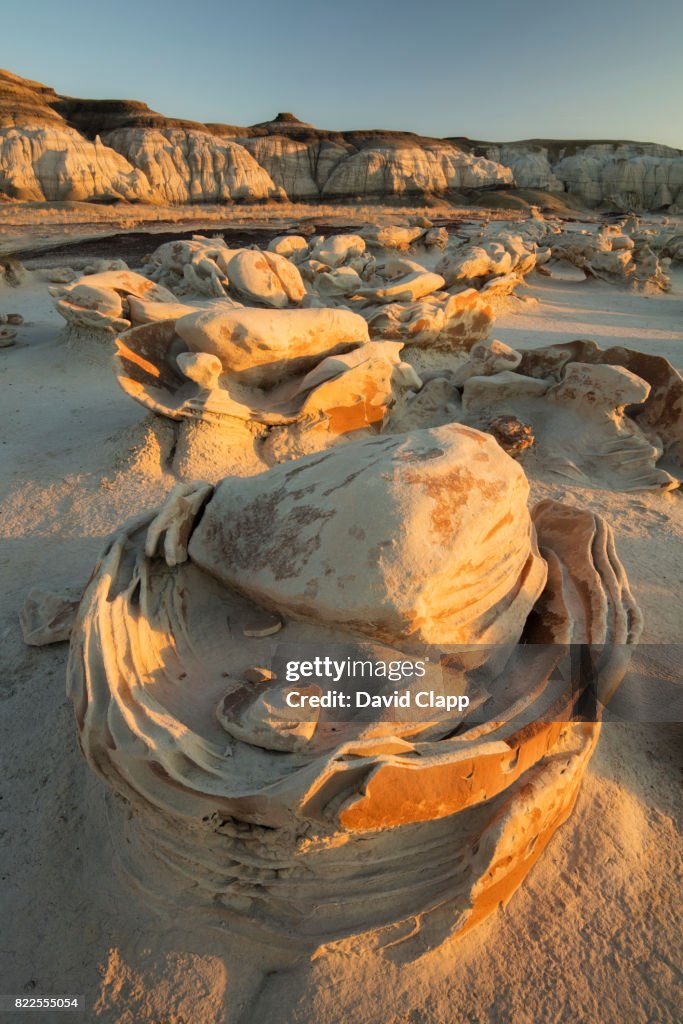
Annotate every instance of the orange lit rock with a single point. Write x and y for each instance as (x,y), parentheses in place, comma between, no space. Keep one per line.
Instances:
(299,832)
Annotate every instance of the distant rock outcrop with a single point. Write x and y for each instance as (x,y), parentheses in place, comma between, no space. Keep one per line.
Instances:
(622,175)
(59,164)
(187,166)
(62,148)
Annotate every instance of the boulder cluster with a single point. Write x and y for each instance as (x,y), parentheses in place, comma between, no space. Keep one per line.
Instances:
(353,454)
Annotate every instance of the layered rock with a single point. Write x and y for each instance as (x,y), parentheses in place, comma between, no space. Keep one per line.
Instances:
(300,830)
(185,166)
(627,177)
(107,302)
(599,419)
(299,168)
(54,147)
(249,387)
(620,175)
(57,163)
(397,168)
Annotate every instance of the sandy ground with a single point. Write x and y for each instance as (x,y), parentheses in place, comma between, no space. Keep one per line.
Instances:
(594,934)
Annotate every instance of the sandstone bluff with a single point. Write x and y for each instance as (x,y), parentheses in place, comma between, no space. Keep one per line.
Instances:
(57,148)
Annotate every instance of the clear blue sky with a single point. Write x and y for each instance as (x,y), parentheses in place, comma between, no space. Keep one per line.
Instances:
(483,68)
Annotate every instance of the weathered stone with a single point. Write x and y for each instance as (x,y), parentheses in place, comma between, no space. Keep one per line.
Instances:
(338,249)
(47,618)
(315,794)
(100,301)
(261,348)
(416,487)
(265,278)
(512,435)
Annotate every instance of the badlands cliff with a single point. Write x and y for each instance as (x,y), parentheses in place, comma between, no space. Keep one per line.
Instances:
(55,148)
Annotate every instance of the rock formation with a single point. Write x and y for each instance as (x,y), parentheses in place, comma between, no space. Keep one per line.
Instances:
(106,301)
(399,297)
(58,164)
(620,175)
(47,618)
(186,166)
(442,322)
(207,266)
(249,387)
(58,148)
(299,829)
(659,417)
(495,259)
(600,419)
(314,355)
(612,255)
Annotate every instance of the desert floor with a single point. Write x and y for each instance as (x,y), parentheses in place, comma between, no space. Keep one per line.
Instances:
(593,935)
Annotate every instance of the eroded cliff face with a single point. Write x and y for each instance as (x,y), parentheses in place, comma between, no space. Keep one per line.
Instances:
(62,148)
(398,167)
(622,175)
(56,163)
(300,168)
(187,166)
(42,156)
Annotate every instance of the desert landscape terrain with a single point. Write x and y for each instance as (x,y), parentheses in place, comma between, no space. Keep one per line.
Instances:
(283,385)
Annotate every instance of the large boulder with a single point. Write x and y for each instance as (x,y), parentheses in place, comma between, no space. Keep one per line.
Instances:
(446,538)
(338,249)
(260,347)
(265,278)
(247,815)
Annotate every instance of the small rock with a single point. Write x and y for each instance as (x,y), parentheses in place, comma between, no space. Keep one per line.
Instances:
(264,719)
(47,618)
(259,675)
(512,434)
(60,275)
(12,271)
(265,625)
(436,237)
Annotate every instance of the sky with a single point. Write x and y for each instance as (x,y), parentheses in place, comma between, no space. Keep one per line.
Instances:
(486,69)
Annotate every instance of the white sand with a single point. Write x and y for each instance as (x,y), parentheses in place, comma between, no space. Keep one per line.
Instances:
(593,935)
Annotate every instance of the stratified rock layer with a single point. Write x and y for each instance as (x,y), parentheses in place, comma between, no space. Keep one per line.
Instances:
(412,830)
(54,147)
